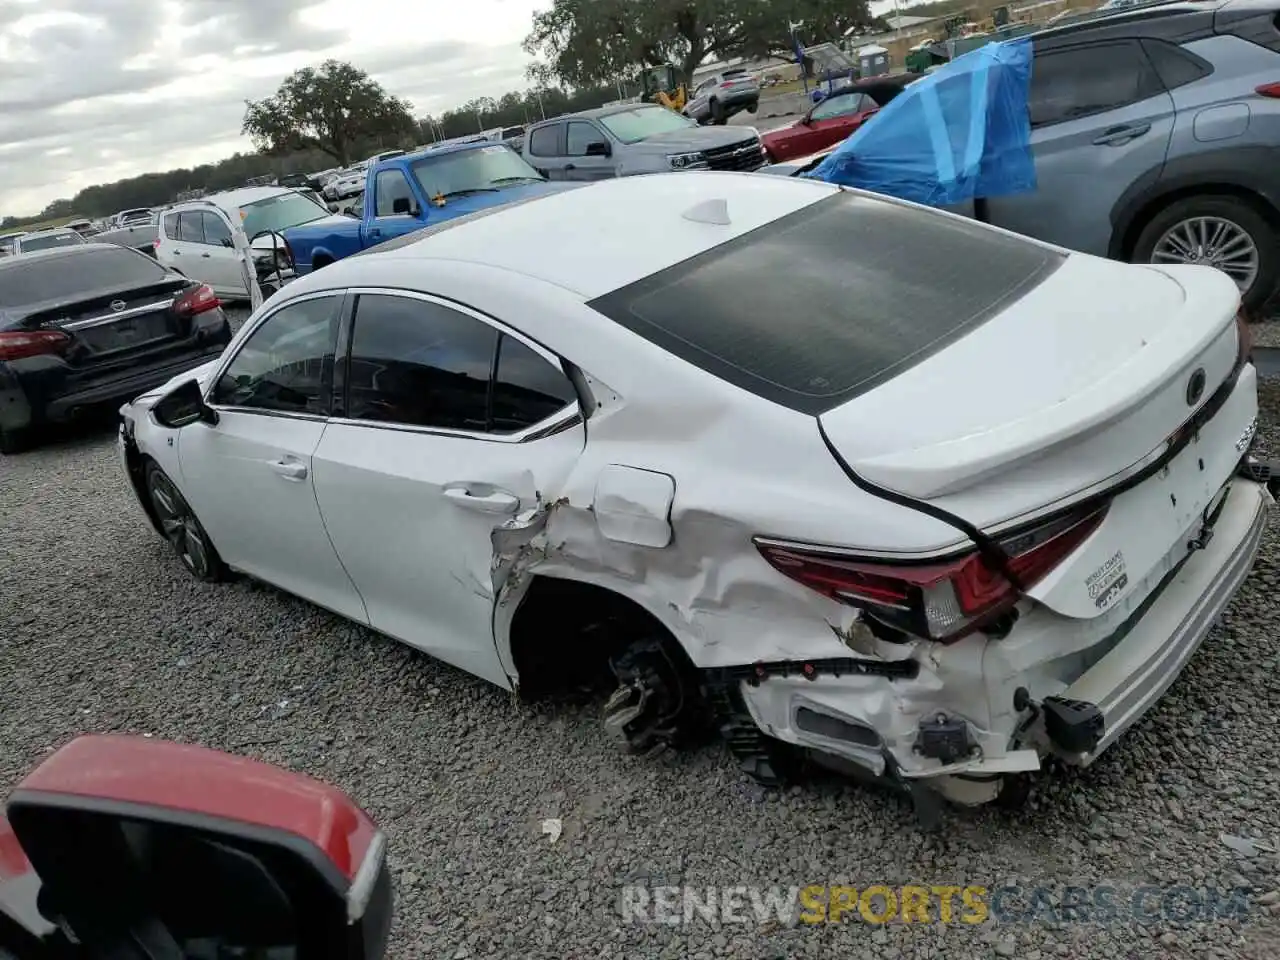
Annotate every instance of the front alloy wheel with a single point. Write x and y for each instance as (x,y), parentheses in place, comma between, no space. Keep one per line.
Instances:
(181,528)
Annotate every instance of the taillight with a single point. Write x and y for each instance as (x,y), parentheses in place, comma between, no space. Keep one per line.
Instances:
(939,600)
(1268,90)
(156,243)
(196,300)
(17,344)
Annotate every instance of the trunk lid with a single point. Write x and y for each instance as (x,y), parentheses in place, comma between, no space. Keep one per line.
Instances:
(1065,394)
(111,328)
(1069,385)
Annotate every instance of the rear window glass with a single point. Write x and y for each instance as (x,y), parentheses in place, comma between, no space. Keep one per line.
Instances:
(51,240)
(829,302)
(92,269)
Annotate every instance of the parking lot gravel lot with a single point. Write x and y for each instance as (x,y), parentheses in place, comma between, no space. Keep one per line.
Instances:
(100,630)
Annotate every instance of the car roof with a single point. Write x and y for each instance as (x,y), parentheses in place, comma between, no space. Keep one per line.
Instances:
(610,110)
(564,238)
(50,232)
(1151,19)
(445,148)
(80,250)
(235,199)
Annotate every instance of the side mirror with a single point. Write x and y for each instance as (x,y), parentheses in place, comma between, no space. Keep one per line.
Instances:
(228,242)
(333,207)
(179,851)
(402,206)
(598,148)
(182,406)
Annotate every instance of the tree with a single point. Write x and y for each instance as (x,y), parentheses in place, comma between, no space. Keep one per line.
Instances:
(594,41)
(328,108)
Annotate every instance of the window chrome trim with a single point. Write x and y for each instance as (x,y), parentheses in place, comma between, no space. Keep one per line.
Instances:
(548,426)
(470,311)
(246,334)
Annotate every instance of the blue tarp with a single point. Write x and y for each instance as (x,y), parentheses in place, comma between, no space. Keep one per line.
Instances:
(956,134)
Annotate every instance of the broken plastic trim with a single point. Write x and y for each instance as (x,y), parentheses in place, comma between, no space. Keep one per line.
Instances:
(762,670)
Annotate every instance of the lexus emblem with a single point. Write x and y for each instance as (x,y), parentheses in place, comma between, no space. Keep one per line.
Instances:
(1195,387)
(117,305)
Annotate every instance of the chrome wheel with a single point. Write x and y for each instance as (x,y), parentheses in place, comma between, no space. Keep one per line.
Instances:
(180,526)
(1215,242)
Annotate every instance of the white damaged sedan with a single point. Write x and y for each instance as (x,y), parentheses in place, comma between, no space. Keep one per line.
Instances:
(849,478)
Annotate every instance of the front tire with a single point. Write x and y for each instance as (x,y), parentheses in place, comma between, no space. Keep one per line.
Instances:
(182,529)
(1221,231)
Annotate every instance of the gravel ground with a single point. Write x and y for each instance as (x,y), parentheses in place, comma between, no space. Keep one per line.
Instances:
(100,630)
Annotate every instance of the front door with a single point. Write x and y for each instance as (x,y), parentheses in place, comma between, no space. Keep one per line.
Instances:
(581,165)
(397,210)
(220,256)
(249,476)
(1101,121)
(433,449)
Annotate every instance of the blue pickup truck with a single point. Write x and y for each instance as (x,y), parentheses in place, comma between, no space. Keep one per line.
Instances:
(410,192)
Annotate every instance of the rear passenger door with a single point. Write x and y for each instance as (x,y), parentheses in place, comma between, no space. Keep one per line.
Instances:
(1100,120)
(449,425)
(546,151)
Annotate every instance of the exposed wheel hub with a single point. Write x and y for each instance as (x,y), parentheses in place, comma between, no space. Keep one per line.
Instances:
(644,713)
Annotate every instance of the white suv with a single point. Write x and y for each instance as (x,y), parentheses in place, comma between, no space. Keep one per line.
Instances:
(196,238)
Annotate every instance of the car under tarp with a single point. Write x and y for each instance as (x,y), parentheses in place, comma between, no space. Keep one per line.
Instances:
(960,134)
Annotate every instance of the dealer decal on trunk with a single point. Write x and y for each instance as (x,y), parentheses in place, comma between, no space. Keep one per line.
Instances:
(1107,582)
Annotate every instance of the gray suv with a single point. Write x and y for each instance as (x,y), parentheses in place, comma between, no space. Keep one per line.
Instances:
(1156,133)
(634,138)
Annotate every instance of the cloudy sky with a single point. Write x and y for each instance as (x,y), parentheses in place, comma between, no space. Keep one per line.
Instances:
(93,91)
(97,90)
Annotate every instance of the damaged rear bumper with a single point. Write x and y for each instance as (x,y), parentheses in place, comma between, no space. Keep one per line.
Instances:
(871,714)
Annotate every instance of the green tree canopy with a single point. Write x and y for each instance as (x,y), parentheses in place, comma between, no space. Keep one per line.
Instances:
(328,108)
(592,41)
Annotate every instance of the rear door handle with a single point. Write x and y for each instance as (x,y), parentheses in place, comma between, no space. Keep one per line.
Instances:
(497,501)
(570,166)
(205,255)
(375,233)
(289,469)
(1117,136)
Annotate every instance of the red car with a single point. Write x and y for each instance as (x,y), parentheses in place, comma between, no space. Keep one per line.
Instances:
(833,119)
(827,123)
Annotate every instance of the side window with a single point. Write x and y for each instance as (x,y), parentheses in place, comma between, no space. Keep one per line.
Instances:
(526,388)
(544,140)
(1176,67)
(357,207)
(391,186)
(215,229)
(1081,81)
(190,227)
(838,106)
(580,134)
(419,363)
(171,226)
(287,364)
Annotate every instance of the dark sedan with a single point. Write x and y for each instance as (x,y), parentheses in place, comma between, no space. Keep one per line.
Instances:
(94,325)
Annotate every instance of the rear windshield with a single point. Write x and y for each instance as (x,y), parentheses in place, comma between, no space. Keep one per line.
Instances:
(827,303)
(96,268)
(51,240)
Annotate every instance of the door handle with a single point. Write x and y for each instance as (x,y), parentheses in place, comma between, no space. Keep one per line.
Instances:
(499,501)
(289,469)
(1118,136)
(569,166)
(205,255)
(177,253)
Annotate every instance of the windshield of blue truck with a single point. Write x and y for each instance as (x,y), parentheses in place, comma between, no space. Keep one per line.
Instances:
(280,212)
(466,171)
